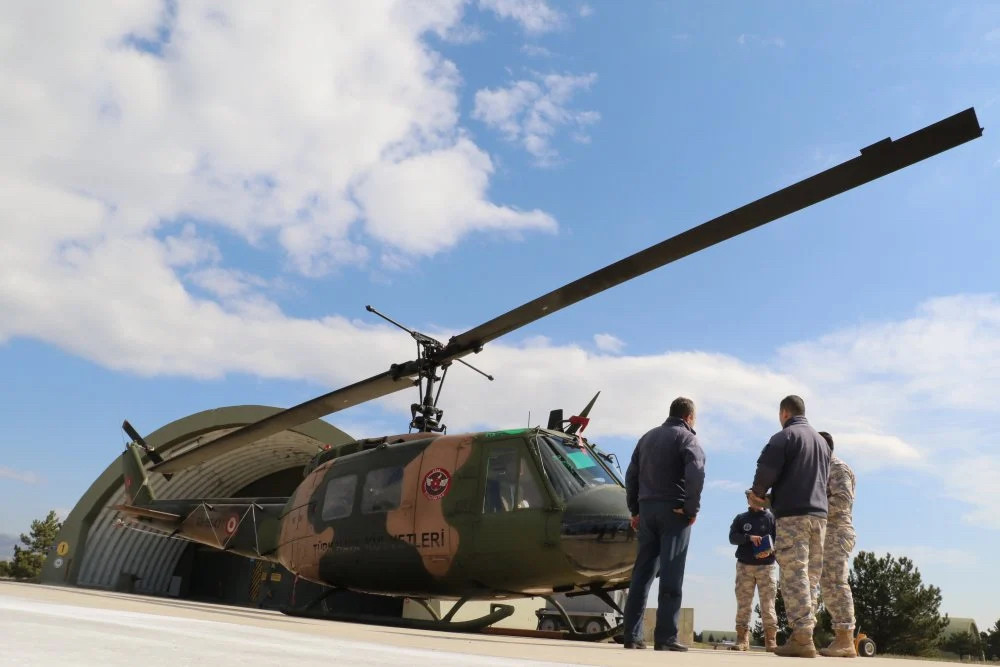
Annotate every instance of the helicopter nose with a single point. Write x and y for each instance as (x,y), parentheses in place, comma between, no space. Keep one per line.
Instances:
(595,532)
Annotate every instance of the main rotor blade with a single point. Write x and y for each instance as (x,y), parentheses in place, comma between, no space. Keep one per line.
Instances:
(875,161)
(374,387)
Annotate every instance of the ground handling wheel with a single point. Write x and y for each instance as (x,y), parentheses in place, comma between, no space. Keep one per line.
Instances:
(548,625)
(866,648)
(594,626)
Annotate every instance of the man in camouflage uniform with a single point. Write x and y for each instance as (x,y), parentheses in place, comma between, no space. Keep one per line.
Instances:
(795,465)
(836,556)
(755,569)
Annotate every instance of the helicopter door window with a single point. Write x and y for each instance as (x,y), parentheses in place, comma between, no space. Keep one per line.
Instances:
(529,495)
(382,490)
(339,500)
(501,481)
(509,483)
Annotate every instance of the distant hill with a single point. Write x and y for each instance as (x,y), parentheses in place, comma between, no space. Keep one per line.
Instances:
(7,543)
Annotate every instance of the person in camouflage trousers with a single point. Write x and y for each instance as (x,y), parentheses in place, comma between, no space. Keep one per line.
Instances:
(795,465)
(753,534)
(837,549)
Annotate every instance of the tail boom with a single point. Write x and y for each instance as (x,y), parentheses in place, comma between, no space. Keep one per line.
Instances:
(245,526)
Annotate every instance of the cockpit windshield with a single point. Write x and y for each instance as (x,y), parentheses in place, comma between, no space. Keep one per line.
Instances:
(570,466)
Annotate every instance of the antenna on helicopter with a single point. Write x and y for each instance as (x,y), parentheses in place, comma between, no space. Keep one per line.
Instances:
(426,415)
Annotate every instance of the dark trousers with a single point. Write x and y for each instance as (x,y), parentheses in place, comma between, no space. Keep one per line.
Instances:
(663,545)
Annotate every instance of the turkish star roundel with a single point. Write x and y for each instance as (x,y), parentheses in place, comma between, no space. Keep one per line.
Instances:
(436,483)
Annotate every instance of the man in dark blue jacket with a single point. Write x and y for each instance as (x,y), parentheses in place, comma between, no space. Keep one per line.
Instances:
(755,569)
(795,465)
(663,486)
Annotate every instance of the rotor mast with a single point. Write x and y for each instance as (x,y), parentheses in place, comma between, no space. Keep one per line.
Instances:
(425,416)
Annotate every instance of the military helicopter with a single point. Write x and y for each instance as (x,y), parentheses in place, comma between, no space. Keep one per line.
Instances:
(472,516)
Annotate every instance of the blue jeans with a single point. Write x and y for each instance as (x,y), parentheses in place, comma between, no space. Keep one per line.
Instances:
(663,544)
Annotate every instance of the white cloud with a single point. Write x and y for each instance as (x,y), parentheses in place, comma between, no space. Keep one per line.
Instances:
(757,40)
(972,479)
(724,551)
(188,249)
(321,131)
(608,343)
(725,485)
(535,16)
(446,201)
(931,356)
(226,283)
(535,51)
(257,121)
(586,10)
(923,555)
(19,475)
(530,112)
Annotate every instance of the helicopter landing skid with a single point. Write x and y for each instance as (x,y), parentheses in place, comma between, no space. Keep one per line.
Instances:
(498,612)
(557,634)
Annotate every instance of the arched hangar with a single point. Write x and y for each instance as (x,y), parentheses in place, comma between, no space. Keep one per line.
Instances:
(94,550)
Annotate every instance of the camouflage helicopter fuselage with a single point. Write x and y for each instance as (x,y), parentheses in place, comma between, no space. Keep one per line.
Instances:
(486,515)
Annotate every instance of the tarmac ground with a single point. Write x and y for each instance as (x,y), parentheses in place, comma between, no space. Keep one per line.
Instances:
(43,625)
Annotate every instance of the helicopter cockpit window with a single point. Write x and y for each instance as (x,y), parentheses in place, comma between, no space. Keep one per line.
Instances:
(509,483)
(339,500)
(570,467)
(382,490)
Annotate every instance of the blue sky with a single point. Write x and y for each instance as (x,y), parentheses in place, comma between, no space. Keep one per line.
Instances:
(203,199)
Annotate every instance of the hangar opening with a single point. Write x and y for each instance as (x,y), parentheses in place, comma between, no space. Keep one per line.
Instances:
(94,549)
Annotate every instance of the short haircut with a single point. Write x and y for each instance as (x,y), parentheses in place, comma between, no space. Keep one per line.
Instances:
(682,408)
(828,438)
(793,405)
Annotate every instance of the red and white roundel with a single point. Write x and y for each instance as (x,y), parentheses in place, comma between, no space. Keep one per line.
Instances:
(436,483)
(231,524)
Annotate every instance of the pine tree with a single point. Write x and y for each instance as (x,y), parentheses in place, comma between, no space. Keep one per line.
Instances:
(28,560)
(893,606)
(991,642)
(757,631)
(963,643)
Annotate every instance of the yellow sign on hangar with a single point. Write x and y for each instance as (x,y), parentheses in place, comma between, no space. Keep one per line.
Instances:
(63,548)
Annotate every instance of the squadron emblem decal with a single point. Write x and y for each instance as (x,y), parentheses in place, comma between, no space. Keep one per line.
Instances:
(436,483)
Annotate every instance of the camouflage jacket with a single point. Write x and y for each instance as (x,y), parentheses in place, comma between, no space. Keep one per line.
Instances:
(840,492)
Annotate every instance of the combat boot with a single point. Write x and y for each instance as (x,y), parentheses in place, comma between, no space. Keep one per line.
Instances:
(799,645)
(742,639)
(770,639)
(842,646)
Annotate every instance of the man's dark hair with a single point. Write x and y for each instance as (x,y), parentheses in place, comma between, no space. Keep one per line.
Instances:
(828,438)
(793,405)
(682,408)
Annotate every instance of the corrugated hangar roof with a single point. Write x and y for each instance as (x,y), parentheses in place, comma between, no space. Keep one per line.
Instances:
(98,550)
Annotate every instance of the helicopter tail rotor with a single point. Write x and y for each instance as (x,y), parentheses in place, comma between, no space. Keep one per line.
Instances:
(138,440)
